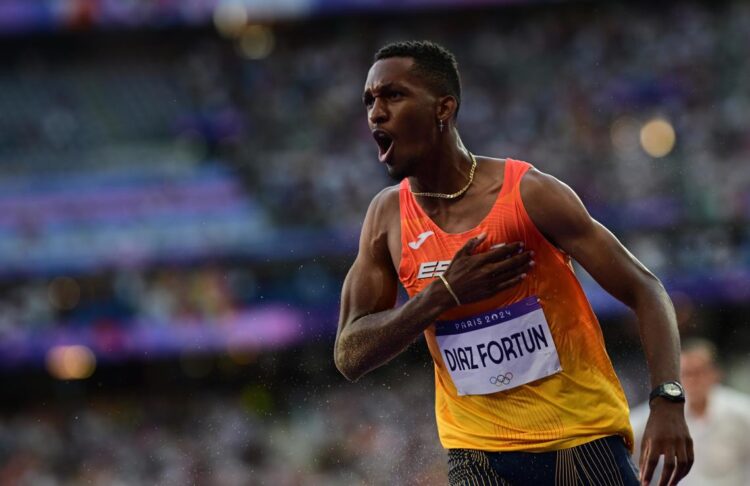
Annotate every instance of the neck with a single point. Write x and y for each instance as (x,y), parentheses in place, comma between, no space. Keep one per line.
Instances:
(698,407)
(445,169)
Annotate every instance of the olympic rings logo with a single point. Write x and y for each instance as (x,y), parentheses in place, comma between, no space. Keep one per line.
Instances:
(501,379)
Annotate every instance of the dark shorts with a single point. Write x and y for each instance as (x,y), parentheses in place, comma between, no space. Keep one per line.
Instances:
(600,462)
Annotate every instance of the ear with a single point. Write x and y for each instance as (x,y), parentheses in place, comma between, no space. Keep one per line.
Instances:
(446,108)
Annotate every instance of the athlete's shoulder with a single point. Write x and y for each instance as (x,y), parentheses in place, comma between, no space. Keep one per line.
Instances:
(499,166)
(387,195)
(385,204)
(540,186)
(490,160)
(492,164)
(554,208)
(490,173)
(383,214)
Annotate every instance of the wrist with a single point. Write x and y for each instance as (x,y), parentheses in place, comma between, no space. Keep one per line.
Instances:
(450,290)
(440,297)
(662,403)
(669,391)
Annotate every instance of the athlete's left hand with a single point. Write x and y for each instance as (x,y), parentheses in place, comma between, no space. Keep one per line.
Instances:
(666,435)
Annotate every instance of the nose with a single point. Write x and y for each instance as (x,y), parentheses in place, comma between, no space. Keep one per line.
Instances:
(378,112)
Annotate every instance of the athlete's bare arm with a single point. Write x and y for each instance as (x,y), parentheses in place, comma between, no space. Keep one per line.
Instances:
(371,331)
(561,217)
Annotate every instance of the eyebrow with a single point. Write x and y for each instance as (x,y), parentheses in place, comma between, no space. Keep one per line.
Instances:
(384,87)
(378,88)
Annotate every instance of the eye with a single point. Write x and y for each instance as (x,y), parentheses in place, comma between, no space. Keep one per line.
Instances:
(395,95)
(368,100)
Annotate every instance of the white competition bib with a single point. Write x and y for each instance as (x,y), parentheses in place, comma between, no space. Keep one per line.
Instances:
(499,349)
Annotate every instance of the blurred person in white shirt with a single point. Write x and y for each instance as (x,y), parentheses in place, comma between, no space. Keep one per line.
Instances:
(717,416)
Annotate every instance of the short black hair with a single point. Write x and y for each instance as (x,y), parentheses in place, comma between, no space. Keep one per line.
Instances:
(432,61)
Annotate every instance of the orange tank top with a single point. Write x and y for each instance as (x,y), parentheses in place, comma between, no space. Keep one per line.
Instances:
(582,402)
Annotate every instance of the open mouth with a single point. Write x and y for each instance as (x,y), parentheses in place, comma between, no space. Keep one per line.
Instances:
(385,144)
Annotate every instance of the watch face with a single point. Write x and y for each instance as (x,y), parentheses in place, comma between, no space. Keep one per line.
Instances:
(672,390)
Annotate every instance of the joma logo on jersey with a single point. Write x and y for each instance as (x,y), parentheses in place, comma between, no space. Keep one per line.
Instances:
(433,269)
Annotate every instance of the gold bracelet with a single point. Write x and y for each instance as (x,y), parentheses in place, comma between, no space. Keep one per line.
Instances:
(447,286)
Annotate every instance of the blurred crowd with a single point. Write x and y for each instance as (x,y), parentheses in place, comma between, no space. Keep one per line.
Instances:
(164,295)
(160,296)
(343,435)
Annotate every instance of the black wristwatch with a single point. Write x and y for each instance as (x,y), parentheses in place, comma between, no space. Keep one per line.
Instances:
(671,390)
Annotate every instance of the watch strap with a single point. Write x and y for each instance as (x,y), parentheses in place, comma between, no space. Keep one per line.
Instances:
(670,390)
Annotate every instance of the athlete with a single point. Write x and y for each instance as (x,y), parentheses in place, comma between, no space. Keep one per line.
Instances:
(525,392)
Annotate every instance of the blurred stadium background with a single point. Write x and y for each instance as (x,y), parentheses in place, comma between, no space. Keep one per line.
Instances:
(181,190)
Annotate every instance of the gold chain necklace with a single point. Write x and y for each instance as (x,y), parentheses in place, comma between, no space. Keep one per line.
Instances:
(455,194)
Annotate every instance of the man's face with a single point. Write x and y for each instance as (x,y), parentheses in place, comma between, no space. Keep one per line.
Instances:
(698,374)
(401,113)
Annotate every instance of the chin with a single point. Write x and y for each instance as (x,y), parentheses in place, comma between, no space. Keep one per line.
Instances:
(398,171)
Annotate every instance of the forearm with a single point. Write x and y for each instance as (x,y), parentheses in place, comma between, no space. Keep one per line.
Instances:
(658,330)
(666,435)
(372,340)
